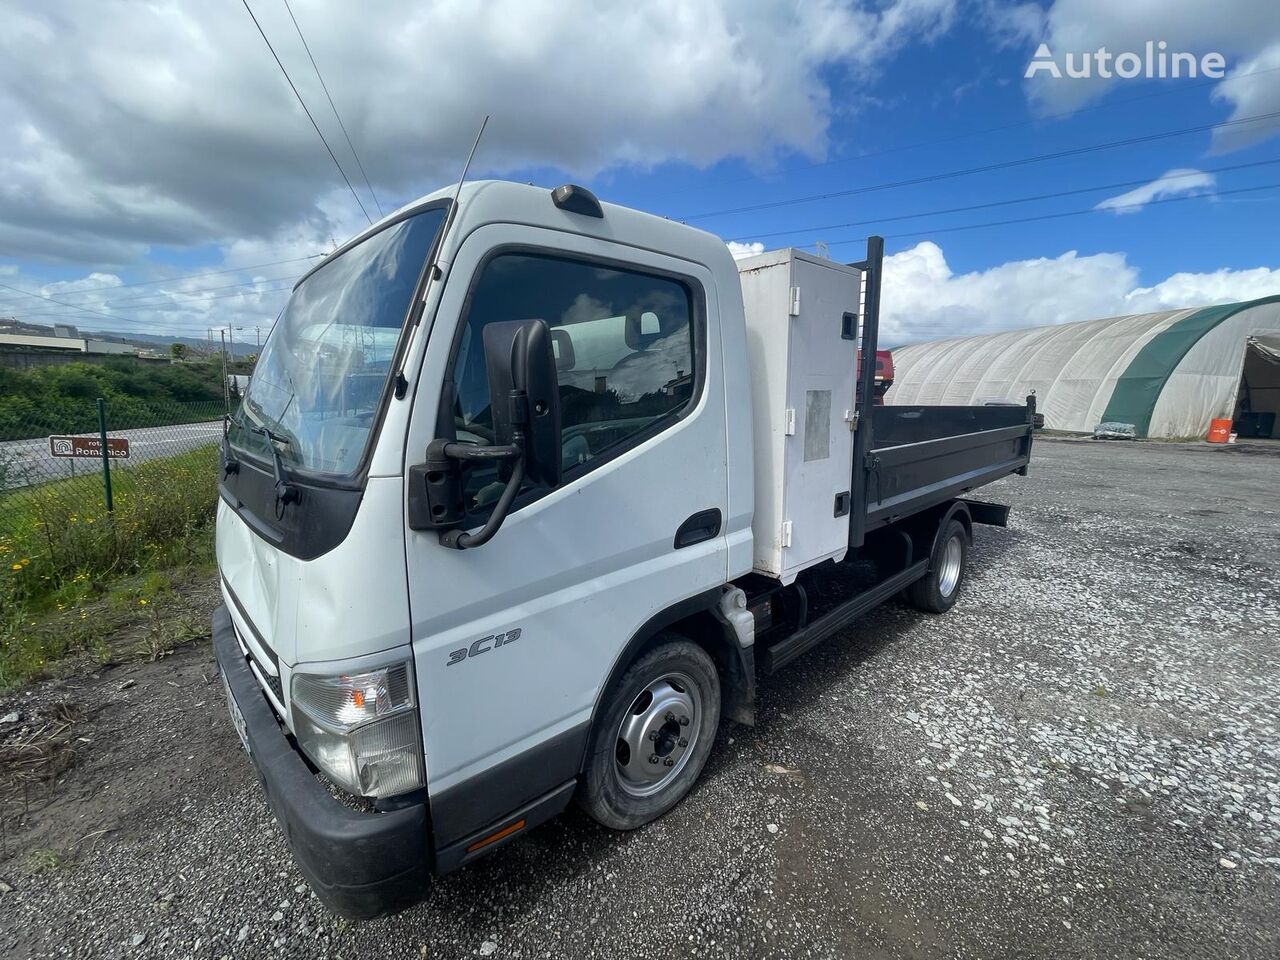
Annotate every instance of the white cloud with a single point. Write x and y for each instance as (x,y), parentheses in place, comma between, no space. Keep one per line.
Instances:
(124,125)
(1252,89)
(1174,183)
(741,250)
(924,300)
(1243,31)
(1203,289)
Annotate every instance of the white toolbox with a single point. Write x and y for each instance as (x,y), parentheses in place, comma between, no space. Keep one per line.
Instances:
(802,344)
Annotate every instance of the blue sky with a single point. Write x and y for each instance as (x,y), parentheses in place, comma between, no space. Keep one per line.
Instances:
(197,159)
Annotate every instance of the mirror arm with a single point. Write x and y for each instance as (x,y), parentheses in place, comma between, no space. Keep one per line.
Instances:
(461,450)
(459,539)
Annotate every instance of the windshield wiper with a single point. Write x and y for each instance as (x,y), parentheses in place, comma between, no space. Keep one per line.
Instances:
(286,492)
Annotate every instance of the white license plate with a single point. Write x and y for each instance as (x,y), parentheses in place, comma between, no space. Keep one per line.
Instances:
(237,718)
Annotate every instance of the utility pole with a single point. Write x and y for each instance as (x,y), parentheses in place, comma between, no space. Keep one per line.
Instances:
(232,337)
(226,387)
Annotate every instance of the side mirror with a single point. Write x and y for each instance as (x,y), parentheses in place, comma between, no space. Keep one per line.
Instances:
(524,400)
(524,395)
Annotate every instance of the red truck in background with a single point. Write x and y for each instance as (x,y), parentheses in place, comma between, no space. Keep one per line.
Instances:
(884,373)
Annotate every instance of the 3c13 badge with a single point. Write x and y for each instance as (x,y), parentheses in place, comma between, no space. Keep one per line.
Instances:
(483,645)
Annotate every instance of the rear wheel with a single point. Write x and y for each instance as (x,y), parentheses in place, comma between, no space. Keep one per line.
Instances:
(937,590)
(653,735)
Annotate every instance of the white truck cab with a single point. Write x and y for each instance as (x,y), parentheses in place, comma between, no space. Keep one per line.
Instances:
(517,492)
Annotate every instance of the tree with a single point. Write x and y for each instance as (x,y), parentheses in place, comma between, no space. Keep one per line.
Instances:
(178,351)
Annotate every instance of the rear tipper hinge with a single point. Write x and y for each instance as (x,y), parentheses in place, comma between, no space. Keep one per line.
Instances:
(786,533)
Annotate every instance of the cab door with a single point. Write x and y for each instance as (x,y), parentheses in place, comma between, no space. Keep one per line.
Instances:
(514,639)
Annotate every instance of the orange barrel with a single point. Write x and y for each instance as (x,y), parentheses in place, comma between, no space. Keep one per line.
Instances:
(1219,431)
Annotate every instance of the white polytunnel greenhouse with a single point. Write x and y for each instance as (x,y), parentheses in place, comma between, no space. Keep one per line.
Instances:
(1167,374)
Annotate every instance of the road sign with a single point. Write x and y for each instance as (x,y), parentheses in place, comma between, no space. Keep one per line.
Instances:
(89,448)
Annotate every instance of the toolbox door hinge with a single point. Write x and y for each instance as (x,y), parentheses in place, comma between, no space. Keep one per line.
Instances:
(795,302)
(789,422)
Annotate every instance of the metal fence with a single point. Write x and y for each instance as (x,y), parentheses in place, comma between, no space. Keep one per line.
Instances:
(64,477)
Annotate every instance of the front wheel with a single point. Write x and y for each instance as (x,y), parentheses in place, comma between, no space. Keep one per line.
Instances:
(652,736)
(936,591)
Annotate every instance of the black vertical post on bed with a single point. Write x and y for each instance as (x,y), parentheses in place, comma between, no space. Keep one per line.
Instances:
(871,269)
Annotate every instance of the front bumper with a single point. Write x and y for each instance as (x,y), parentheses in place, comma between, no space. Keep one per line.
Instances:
(360,865)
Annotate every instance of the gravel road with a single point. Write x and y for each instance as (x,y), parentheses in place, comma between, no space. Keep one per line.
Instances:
(1081,759)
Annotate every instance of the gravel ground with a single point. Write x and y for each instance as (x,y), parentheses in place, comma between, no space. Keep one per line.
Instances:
(1080,759)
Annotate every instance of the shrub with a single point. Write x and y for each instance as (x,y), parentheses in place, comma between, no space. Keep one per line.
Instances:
(58,544)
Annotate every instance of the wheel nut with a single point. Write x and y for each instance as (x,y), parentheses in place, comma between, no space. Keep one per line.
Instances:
(670,716)
(684,721)
(653,735)
(684,741)
(653,758)
(669,762)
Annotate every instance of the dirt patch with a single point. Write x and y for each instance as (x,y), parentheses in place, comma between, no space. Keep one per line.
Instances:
(82,751)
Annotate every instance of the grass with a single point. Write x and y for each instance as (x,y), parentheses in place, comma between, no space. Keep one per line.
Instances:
(43,861)
(70,572)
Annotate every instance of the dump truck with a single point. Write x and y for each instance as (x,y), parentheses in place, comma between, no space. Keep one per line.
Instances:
(528,492)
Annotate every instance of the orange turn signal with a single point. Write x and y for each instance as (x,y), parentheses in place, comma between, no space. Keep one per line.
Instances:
(495,837)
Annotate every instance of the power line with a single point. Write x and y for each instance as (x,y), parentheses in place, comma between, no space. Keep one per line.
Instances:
(985,168)
(307,112)
(164,304)
(324,86)
(1061,215)
(187,276)
(71,305)
(198,292)
(986,130)
(1010,202)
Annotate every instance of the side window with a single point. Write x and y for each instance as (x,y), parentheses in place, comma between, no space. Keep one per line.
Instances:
(624,346)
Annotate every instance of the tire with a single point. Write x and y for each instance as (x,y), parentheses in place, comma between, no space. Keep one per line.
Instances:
(622,788)
(937,590)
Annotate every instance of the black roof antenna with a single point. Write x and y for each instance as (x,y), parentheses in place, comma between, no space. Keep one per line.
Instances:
(457,193)
(433,270)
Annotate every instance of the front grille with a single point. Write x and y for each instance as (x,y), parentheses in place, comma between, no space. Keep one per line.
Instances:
(265,674)
(272,684)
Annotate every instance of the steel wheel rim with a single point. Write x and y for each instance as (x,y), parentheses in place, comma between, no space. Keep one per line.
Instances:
(949,575)
(661,722)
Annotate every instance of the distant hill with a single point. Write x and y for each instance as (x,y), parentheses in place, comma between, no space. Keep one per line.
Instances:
(160,342)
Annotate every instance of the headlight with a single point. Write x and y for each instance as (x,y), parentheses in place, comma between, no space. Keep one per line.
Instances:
(361,729)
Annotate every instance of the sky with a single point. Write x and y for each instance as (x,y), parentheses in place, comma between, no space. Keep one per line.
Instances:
(157,174)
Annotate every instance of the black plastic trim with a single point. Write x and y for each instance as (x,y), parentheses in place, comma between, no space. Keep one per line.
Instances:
(575,199)
(778,655)
(314,524)
(699,528)
(360,865)
(991,514)
(537,812)
(470,806)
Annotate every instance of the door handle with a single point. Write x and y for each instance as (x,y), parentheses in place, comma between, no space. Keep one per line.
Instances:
(703,525)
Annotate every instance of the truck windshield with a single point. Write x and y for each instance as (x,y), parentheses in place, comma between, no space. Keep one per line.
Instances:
(319,382)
